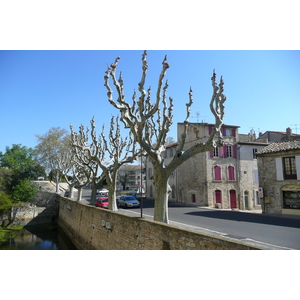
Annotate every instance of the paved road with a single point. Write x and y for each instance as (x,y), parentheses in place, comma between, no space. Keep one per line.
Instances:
(268,232)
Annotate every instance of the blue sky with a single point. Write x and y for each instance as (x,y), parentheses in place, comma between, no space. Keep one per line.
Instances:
(44,89)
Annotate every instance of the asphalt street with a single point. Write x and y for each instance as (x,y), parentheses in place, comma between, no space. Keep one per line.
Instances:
(264,231)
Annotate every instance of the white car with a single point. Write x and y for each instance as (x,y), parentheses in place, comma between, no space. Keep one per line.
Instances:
(128,201)
(103,192)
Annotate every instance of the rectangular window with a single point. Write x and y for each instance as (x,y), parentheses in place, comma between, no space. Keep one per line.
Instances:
(254,153)
(228,132)
(289,168)
(171,152)
(255,176)
(216,152)
(257,199)
(193,198)
(291,199)
(229,151)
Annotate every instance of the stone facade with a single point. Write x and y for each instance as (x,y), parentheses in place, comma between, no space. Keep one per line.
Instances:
(91,228)
(130,176)
(225,178)
(281,184)
(42,209)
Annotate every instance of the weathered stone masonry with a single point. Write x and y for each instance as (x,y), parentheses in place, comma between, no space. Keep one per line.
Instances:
(99,229)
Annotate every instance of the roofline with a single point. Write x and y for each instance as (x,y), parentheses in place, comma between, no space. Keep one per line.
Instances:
(210,124)
(254,143)
(172,145)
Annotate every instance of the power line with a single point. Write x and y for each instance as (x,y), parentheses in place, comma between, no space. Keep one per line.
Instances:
(197,116)
(296,127)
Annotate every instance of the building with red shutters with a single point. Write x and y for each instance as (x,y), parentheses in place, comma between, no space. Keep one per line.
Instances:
(226,177)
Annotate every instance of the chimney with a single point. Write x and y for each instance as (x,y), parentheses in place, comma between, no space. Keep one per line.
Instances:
(288,133)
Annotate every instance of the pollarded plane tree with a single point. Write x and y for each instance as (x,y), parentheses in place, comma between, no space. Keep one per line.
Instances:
(151,122)
(110,154)
(82,159)
(52,152)
(81,175)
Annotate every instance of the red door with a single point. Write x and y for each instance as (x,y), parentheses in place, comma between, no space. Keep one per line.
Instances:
(232,199)
(218,196)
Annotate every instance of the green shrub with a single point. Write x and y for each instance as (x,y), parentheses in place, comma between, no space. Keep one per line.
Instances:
(5,201)
(24,191)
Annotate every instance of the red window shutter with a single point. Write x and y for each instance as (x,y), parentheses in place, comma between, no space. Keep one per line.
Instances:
(224,131)
(217,173)
(234,132)
(211,154)
(221,152)
(210,129)
(235,151)
(231,173)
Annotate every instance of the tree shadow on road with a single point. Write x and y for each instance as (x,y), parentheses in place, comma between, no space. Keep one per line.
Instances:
(239,216)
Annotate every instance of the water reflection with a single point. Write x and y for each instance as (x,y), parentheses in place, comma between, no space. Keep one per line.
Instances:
(37,238)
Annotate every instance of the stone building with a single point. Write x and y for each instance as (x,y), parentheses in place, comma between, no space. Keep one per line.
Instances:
(279,176)
(226,177)
(278,136)
(129,178)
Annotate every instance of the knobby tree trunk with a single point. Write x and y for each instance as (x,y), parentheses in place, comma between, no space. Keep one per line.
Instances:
(111,182)
(79,194)
(71,189)
(94,192)
(162,191)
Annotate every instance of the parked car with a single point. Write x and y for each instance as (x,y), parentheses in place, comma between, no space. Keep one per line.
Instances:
(103,192)
(128,201)
(102,202)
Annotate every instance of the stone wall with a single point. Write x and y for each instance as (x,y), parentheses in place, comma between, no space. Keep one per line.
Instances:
(99,229)
(42,209)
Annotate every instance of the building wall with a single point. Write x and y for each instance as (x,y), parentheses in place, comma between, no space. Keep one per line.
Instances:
(248,175)
(194,180)
(272,182)
(191,183)
(133,174)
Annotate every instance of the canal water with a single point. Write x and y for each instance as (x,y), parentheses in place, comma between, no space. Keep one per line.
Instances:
(42,237)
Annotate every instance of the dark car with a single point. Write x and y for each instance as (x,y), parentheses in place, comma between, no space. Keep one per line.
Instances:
(128,201)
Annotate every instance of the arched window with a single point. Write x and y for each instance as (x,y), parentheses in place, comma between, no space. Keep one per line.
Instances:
(217,173)
(231,175)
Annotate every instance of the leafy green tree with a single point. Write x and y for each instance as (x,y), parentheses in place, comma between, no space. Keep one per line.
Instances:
(20,161)
(6,178)
(5,200)
(24,191)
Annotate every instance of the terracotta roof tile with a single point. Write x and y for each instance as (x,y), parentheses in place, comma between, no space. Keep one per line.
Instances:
(280,146)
